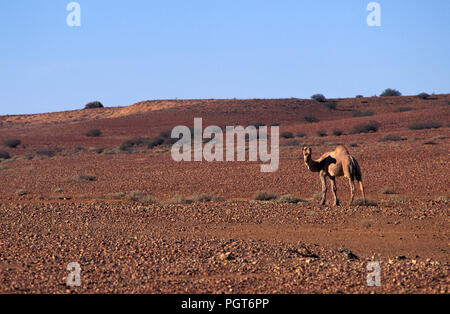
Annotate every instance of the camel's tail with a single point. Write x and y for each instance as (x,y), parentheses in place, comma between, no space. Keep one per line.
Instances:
(357,169)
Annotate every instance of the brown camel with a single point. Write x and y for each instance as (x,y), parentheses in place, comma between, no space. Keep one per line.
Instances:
(334,164)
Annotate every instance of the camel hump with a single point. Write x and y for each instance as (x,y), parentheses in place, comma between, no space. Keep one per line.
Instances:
(341,149)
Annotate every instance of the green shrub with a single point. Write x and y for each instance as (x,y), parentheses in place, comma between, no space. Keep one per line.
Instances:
(318,97)
(389,92)
(359,96)
(12,143)
(423,96)
(94,133)
(93,105)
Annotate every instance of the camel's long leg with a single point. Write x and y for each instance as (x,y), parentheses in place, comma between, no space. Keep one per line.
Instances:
(334,189)
(324,187)
(352,190)
(361,187)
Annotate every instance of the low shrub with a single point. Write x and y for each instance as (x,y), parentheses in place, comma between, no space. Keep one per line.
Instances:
(290,199)
(388,190)
(300,134)
(12,143)
(404,109)
(309,118)
(264,196)
(392,138)
(359,96)
(321,133)
(291,143)
(423,96)
(371,126)
(4,155)
(390,92)
(94,133)
(141,197)
(424,125)
(93,105)
(337,132)
(366,113)
(287,135)
(330,104)
(318,97)
(45,152)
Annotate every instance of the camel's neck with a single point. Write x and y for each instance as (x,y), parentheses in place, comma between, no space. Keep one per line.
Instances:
(311,164)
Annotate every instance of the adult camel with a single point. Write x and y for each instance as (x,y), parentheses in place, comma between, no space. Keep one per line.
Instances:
(334,164)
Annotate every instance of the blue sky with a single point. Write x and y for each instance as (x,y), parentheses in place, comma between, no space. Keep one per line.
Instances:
(128,51)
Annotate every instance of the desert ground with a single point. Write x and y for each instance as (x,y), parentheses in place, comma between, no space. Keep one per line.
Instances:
(136,221)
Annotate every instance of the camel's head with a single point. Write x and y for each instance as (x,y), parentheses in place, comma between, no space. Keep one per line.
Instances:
(306,152)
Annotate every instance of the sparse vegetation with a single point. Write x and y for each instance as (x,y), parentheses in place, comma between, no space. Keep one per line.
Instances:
(318,97)
(309,118)
(404,109)
(115,196)
(93,105)
(291,143)
(388,190)
(360,201)
(424,125)
(337,132)
(81,178)
(264,196)
(141,197)
(290,199)
(330,104)
(94,133)
(12,143)
(178,199)
(359,96)
(300,134)
(321,133)
(371,126)
(21,192)
(390,92)
(366,113)
(423,96)
(45,152)
(392,138)
(287,135)
(4,155)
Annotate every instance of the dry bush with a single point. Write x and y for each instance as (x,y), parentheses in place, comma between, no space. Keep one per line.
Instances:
(264,196)
(21,192)
(290,199)
(4,155)
(309,118)
(81,178)
(94,133)
(367,127)
(360,201)
(141,197)
(387,190)
(424,125)
(12,143)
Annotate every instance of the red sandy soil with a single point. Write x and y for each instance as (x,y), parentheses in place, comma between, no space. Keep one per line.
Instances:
(233,245)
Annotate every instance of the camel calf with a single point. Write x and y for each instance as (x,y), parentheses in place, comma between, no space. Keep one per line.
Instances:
(334,164)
